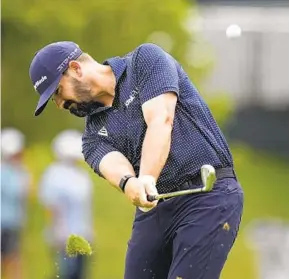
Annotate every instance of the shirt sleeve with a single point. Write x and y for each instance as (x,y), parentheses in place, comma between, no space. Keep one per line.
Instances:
(156,71)
(94,149)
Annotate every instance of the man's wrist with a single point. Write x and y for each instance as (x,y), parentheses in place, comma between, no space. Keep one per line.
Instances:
(124,181)
(147,179)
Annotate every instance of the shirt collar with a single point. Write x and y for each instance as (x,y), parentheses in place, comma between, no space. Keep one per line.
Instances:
(118,66)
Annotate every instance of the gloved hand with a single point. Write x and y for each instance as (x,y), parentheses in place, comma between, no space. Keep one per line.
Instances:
(149,183)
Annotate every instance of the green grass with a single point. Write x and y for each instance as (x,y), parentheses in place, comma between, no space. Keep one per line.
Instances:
(77,245)
(264,179)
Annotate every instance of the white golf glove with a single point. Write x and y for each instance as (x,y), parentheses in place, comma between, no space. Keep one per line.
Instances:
(150,188)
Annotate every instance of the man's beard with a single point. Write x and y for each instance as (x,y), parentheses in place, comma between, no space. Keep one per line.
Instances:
(86,106)
(80,109)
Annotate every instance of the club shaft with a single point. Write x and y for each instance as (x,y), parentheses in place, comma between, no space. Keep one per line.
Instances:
(208,180)
(174,194)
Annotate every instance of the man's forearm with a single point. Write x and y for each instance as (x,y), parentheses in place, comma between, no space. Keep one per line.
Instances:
(155,149)
(114,166)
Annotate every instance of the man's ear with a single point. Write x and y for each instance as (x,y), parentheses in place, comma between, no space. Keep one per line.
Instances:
(75,67)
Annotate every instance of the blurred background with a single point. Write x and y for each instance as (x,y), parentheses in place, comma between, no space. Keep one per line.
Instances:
(237,54)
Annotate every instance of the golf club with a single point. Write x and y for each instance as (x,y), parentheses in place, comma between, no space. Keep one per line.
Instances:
(208,175)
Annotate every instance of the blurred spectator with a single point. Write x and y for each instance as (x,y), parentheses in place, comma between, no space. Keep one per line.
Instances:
(14,189)
(66,192)
(269,238)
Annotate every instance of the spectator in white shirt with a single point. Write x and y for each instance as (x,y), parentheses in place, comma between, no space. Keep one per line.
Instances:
(15,180)
(66,193)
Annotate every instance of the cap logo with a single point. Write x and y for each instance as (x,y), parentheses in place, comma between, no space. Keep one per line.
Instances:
(38,82)
(67,59)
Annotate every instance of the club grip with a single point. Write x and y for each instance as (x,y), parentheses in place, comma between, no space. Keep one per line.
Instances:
(151,198)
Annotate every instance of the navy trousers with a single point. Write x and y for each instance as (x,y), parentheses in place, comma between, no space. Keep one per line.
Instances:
(187,237)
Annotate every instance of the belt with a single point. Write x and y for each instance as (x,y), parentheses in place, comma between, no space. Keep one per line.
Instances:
(197,180)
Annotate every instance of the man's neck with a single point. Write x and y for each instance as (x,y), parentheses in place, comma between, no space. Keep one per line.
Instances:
(108,85)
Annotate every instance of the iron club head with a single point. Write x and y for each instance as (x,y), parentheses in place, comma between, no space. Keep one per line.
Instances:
(208,175)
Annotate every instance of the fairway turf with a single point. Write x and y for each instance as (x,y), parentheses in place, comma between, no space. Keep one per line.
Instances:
(77,245)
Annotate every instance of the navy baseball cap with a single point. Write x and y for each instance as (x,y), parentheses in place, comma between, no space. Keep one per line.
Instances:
(47,68)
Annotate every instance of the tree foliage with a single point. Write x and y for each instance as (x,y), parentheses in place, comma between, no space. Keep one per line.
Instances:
(103,28)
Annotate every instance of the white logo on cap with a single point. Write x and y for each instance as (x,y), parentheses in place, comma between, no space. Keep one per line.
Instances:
(67,59)
(38,82)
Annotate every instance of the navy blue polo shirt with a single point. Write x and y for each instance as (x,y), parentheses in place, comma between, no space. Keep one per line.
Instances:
(141,75)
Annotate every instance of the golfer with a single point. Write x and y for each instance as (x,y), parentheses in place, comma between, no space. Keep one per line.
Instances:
(148,131)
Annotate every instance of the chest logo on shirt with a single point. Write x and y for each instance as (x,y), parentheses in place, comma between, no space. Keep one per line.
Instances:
(132,96)
(103,132)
